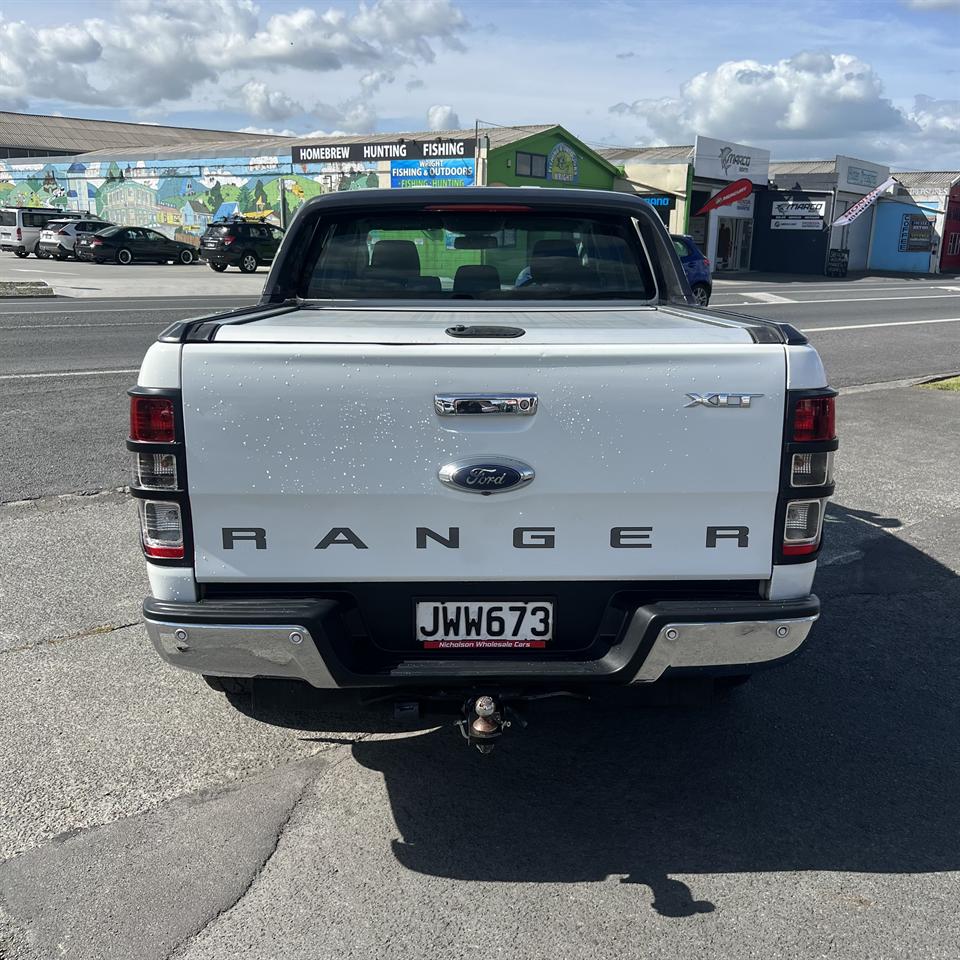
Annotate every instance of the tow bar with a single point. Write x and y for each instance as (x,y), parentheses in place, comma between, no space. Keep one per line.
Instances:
(486,717)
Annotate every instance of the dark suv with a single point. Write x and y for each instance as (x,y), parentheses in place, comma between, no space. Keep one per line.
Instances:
(238,243)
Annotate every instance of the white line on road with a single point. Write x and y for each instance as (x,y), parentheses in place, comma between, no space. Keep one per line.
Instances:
(59,326)
(769,297)
(70,373)
(869,326)
(799,303)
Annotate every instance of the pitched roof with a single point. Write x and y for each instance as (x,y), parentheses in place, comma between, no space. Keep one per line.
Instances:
(786,167)
(622,155)
(77,135)
(931,179)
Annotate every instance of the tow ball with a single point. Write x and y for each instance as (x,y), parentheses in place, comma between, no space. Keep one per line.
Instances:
(484,721)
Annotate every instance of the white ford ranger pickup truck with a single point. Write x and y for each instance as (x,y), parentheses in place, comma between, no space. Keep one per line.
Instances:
(479,443)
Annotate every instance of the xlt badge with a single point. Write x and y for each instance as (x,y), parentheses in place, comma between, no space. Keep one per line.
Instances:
(721,399)
(486,475)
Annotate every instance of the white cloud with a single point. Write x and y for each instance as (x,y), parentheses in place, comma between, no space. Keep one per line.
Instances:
(166,51)
(268,105)
(933,4)
(441,116)
(812,95)
(937,119)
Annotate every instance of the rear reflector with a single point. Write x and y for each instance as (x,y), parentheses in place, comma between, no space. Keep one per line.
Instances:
(801,527)
(814,418)
(154,471)
(152,420)
(811,469)
(161,529)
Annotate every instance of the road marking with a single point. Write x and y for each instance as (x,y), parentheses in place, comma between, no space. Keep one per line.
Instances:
(869,326)
(770,298)
(954,289)
(796,303)
(70,373)
(60,326)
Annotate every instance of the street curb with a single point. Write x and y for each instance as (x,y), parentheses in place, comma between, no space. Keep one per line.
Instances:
(25,288)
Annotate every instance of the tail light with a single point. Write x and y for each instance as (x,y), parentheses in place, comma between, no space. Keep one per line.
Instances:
(152,419)
(63,233)
(806,483)
(228,240)
(706,263)
(19,234)
(158,474)
(814,418)
(96,242)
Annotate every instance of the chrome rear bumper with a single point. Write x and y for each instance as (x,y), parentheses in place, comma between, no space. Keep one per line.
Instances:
(306,639)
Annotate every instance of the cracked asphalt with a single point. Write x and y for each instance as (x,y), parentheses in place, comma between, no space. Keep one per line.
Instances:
(813,813)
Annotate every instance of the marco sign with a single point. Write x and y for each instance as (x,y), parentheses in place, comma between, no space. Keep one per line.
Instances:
(726,160)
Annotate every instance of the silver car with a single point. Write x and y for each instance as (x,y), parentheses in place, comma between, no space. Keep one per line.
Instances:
(59,237)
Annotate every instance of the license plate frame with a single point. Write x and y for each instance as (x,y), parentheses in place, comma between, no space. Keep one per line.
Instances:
(526,640)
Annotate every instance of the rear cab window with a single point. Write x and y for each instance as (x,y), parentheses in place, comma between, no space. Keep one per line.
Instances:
(481,255)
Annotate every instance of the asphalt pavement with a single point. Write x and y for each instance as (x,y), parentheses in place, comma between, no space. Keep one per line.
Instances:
(811,814)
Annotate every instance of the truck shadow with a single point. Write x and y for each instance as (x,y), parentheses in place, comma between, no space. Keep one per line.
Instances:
(843,760)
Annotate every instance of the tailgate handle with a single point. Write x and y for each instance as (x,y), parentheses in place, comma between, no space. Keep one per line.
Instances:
(493,404)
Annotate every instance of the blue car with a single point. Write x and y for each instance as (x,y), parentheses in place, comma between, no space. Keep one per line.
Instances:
(696,266)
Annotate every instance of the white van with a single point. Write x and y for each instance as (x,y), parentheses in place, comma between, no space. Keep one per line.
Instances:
(20,228)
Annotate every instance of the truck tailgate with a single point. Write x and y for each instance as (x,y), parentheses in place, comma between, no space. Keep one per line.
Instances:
(330,453)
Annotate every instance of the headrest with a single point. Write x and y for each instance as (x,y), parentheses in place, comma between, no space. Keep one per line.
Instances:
(398,256)
(555,248)
(476,278)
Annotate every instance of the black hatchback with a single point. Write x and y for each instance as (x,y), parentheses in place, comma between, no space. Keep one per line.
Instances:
(129,244)
(238,243)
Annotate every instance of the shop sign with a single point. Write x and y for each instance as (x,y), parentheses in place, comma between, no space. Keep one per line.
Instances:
(916,233)
(799,208)
(438,149)
(734,193)
(563,164)
(796,223)
(663,201)
(724,160)
(432,173)
(859,176)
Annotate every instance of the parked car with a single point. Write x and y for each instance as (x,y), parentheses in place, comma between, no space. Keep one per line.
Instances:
(20,228)
(59,237)
(400,494)
(128,244)
(239,243)
(696,266)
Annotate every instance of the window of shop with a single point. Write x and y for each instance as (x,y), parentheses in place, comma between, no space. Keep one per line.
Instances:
(532,165)
(953,245)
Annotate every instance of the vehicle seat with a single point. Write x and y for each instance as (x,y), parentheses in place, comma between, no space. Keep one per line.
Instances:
(476,278)
(555,261)
(398,262)
(398,257)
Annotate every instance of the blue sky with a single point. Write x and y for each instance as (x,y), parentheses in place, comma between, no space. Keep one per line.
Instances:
(878,79)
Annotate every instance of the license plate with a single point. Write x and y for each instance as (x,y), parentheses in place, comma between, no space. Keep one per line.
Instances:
(484,624)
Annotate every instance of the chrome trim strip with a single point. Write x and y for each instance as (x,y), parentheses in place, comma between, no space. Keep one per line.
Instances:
(241,650)
(722,644)
(487,404)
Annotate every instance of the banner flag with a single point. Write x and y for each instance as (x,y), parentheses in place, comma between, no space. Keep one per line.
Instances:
(863,204)
(733,193)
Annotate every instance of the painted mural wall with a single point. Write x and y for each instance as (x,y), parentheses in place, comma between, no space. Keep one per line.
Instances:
(181,197)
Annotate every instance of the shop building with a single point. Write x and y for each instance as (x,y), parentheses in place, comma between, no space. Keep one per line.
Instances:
(690,176)
(936,196)
(180,188)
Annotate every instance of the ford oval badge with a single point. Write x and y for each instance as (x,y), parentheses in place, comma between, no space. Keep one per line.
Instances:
(486,475)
